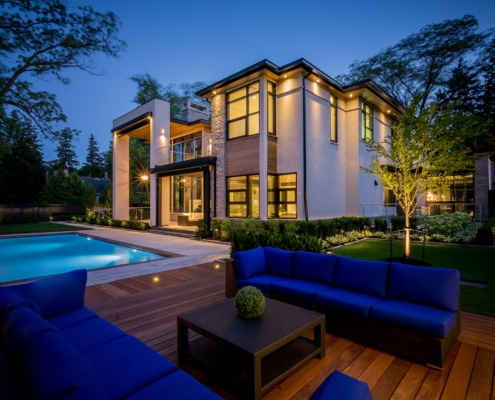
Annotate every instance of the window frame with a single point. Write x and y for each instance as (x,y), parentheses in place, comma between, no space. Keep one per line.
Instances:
(334,135)
(272,95)
(245,118)
(248,202)
(365,116)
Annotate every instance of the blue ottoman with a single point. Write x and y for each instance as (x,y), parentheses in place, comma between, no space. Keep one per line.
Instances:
(339,386)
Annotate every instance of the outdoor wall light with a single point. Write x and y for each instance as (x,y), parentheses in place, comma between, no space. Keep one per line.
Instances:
(376,182)
(162,132)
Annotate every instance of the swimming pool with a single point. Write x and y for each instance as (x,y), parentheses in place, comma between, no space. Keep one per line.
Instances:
(35,256)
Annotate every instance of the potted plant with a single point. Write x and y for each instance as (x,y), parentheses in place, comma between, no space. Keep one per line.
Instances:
(249,302)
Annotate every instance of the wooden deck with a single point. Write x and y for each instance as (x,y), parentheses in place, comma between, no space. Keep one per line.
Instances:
(147,307)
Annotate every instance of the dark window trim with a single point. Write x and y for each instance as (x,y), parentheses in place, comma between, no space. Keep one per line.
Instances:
(274,96)
(335,106)
(248,195)
(364,113)
(248,114)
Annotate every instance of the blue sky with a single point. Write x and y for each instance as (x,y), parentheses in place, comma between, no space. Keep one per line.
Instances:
(186,41)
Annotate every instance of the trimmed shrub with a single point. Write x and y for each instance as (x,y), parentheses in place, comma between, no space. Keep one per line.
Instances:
(249,302)
(486,233)
(381,225)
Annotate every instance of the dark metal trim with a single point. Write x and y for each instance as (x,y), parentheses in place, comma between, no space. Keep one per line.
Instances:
(184,167)
(133,124)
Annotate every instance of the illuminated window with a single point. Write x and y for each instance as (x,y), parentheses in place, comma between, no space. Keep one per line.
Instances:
(271,111)
(367,122)
(243,196)
(287,196)
(333,119)
(243,111)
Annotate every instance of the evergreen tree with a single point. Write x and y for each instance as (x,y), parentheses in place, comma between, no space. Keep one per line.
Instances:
(22,174)
(65,189)
(94,160)
(66,155)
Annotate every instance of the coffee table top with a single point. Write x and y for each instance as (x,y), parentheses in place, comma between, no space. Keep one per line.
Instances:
(279,321)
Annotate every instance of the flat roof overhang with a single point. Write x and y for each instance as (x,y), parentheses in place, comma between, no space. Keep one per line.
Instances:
(184,167)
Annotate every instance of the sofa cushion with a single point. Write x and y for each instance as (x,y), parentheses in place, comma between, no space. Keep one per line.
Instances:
(178,386)
(339,386)
(418,317)
(315,267)
(57,294)
(127,365)
(263,282)
(278,261)
(249,263)
(298,289)
(435,287)
(91,334)
(22,324)
(10,300)
(364,276)
(55,370)
(347,300)
(73,318)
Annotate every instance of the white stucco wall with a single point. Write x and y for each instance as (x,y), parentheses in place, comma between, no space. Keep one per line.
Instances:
(289,133)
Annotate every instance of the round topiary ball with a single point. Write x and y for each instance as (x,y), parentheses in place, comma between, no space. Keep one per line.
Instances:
(249,302)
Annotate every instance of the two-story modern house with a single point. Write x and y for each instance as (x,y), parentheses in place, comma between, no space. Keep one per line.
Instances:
(279,142)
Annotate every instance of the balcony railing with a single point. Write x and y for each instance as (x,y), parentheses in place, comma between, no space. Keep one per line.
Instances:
(185,150)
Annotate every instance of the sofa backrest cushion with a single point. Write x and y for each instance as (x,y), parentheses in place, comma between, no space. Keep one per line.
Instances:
(9,300)
(315,267)
(364,276)
(54,369)
(249,263)
(434,287)
(278,261)
(58,294)
(22,324)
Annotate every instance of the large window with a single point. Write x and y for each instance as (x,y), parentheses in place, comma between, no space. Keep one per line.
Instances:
(271,111)
(367,122)
(333,119)
(243,111)
(458,188)
(187,193)
(287,198)
(243,196)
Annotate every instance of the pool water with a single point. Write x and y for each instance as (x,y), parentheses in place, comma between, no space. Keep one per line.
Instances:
(35,256)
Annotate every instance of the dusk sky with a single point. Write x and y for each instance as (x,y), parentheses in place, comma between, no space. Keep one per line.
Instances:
(188,41)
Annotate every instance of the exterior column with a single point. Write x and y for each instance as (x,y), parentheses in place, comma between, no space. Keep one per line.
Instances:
(263,150)
(164,200)
(206,198)
(120,187)
(159,154)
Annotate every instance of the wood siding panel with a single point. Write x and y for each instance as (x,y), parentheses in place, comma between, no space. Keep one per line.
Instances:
(243,156)
(272,154)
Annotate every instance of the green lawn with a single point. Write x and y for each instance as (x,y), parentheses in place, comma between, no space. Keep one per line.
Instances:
(476,264)
(39,227)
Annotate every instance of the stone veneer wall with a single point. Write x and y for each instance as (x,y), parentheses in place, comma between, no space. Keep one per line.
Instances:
(481,186)
(218,124)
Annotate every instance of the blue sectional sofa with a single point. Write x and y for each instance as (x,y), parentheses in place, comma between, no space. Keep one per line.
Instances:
(408,310)
(52,347)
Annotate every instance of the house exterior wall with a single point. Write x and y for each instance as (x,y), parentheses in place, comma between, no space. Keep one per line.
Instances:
(218,136)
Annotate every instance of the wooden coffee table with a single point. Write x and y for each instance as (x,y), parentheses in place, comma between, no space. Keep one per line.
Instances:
(250,356)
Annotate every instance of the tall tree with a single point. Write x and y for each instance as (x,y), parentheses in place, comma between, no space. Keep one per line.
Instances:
(426,147)
(66,155)
(65,189)
(419,64)
(22,174)
(149,89)
(94,159)
(42,39)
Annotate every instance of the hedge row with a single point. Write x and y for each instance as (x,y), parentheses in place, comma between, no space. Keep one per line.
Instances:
(486,233)
(241,240)
(135,225)
(221,228)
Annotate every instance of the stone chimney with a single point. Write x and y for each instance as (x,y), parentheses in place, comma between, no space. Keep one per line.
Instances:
(192,110)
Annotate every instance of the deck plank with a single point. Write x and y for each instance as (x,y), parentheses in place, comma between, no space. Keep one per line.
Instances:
(147,308)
